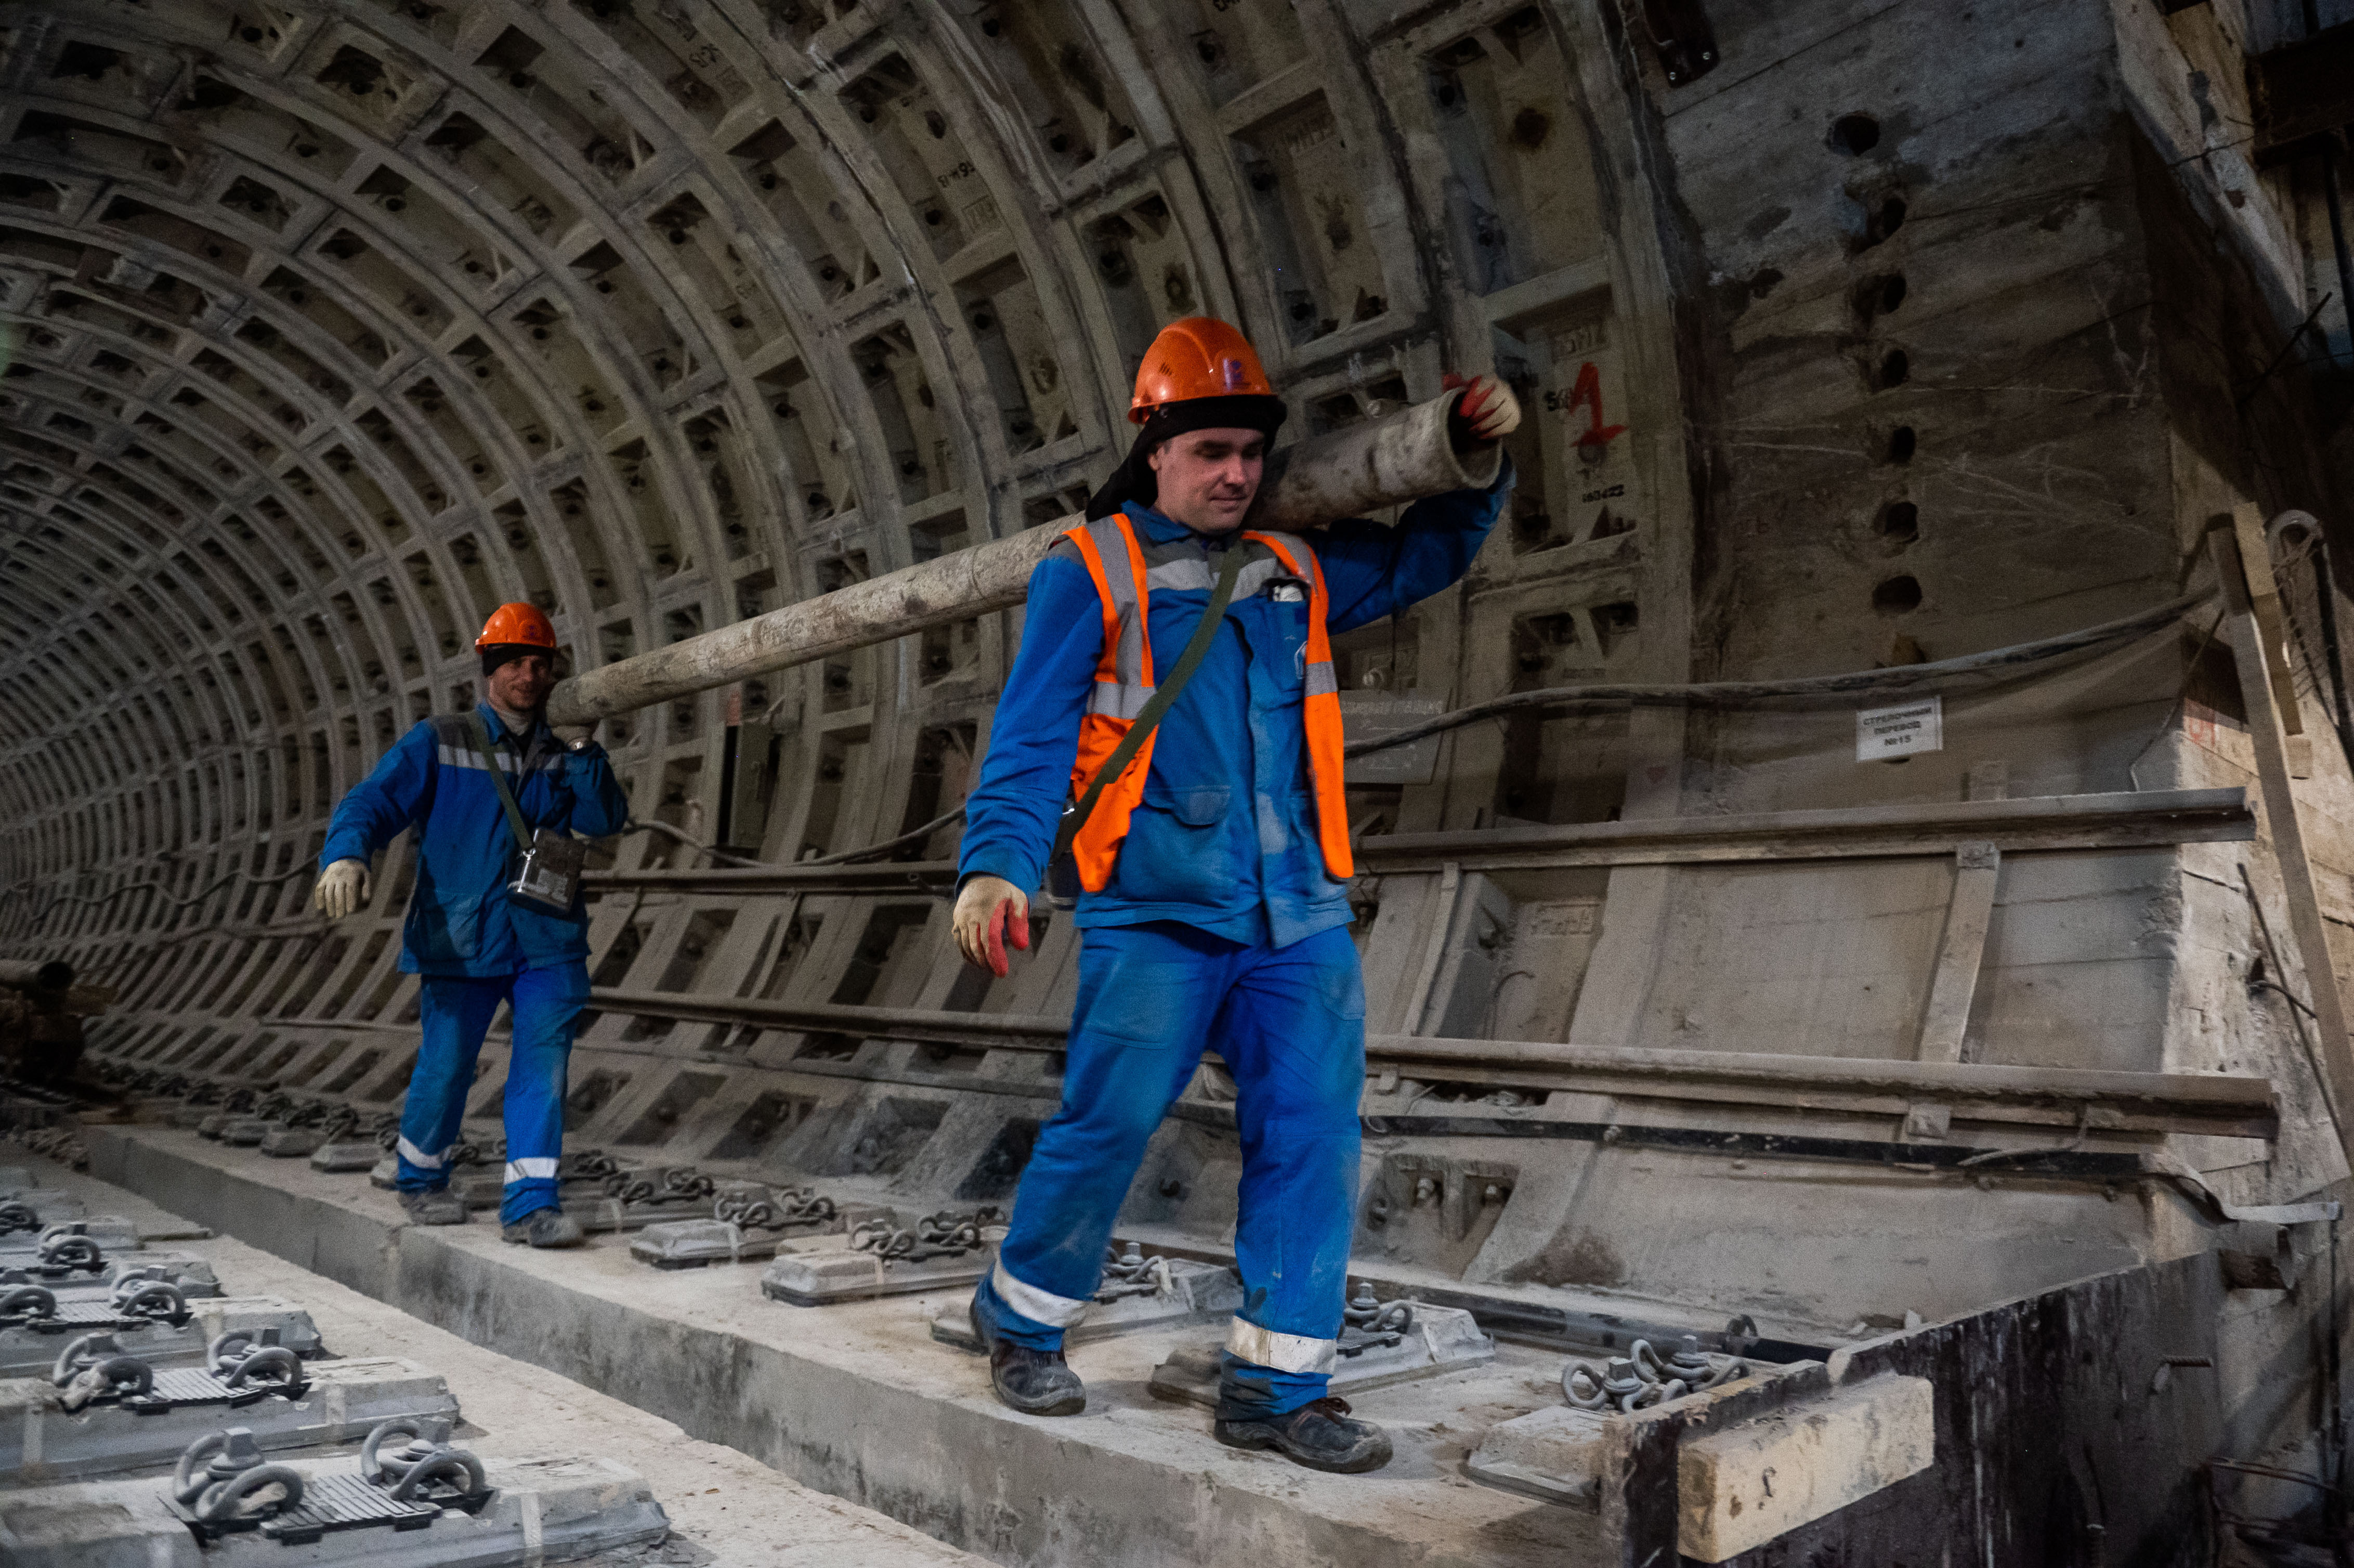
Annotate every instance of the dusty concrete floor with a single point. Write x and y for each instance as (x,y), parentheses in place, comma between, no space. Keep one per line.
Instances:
(728,1509)
(860,1401)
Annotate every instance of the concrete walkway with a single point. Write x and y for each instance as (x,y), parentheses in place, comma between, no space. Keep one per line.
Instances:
(858,1401)
(728,1510)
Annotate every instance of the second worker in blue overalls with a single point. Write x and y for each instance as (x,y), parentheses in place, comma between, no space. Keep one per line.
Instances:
(1213,871)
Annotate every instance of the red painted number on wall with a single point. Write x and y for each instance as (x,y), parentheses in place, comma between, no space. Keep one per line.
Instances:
(1585,393)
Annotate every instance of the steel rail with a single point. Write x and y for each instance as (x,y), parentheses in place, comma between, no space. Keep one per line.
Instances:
(2125,819)
(2215,1103)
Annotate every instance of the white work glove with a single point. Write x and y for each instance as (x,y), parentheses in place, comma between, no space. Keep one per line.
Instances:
(572,734)
(1487,409)
(989,912)
(342,888)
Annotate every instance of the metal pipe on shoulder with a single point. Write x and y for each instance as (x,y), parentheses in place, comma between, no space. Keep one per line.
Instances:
(1359,469)
(1369,467)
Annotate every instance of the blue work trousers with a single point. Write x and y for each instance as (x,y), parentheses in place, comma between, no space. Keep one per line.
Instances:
(1290,1025)
(456,1013)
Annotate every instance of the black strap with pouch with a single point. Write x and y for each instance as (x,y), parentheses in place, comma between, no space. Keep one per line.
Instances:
(1062,867)
(548,880)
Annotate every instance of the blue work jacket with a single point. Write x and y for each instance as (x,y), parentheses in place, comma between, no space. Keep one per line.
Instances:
(459,922)
(1224,838)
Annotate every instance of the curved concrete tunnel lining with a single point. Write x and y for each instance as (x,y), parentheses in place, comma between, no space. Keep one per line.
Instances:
(480,343)
(240,324)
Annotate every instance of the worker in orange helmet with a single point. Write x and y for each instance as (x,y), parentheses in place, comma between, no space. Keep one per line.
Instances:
(495,796)
(1188,765)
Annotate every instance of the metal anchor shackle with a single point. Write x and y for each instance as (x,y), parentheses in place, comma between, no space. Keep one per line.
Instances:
(1687,1366)
(1130,1273)
(96,1365)
(33,1303)
(220,1472)
(950,1229)
(883,1238)
(806,1203)
(1619,1386)
(749,1210)
(427,1457)
(83,1354)
(1366,1312)
(146,1293)
(66,1249)
(683,1182)
(237,1359)
(944,1235)
(1639,1379)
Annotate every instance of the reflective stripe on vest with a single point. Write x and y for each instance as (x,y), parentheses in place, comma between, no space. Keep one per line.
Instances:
(1320,710)
(1108,546)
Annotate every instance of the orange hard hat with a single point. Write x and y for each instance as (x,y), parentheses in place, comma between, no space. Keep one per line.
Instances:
(1199,356)
(518,623)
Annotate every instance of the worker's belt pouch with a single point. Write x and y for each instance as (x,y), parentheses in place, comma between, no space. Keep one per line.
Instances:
(1063,868)
(548,880)
(549,877)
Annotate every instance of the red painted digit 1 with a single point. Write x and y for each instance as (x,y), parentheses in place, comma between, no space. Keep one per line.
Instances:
(1593,442)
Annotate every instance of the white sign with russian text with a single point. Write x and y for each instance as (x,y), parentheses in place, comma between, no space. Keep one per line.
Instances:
(1883,733)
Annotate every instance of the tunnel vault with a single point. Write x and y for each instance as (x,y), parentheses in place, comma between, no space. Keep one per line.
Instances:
(1849,341)
(335,327)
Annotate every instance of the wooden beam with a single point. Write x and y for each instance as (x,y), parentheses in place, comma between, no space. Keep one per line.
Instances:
(1976,868)
(2312,937)
(2271,628)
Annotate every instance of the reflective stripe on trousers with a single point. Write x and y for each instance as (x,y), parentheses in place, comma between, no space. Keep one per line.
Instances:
(1289,1023)
(455,1013)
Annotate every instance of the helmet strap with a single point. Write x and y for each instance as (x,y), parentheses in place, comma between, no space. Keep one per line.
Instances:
(498,654)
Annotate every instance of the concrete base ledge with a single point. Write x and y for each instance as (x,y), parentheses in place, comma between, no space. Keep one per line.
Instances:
(858,1401)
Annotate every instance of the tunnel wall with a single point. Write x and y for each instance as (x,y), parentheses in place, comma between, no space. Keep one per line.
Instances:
(1883,337)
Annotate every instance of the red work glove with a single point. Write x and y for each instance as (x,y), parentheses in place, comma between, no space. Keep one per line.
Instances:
(1488,412)
(991,912)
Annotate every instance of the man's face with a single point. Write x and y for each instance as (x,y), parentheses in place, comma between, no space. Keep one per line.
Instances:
(520,685)
(1208,479)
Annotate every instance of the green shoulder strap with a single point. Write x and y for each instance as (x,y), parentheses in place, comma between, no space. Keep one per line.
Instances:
(483,750)
(1163,696)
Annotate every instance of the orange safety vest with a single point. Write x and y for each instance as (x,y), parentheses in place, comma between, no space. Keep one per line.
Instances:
(1113,558)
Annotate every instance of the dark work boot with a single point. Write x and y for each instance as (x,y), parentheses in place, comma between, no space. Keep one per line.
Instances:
(1035,1382)
(434,1206)
(1321,1436)
(545,1228)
